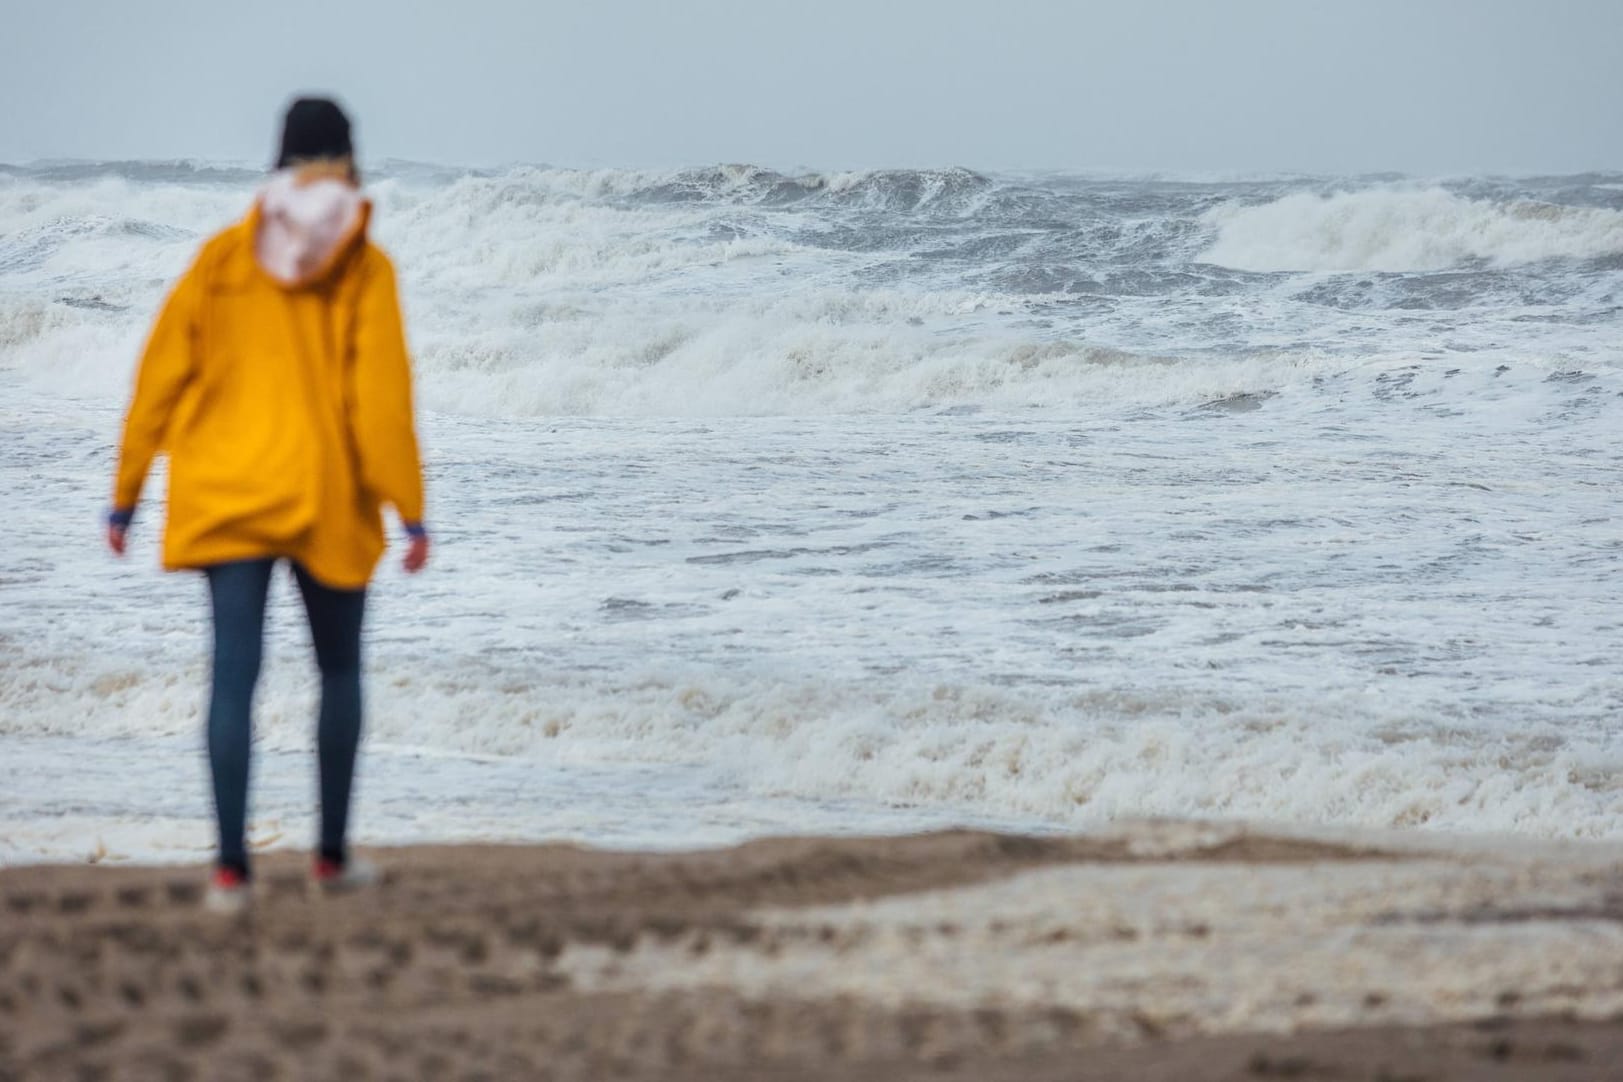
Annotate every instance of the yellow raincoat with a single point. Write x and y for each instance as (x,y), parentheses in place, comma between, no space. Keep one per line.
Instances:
(285,409)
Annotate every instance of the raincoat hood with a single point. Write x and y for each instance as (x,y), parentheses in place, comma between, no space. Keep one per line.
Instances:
(303,223)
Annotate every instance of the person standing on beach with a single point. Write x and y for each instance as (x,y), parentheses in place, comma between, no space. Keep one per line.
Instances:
(277,381)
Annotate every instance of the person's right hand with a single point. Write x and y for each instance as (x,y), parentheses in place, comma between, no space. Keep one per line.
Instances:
(118,528)
(416,554)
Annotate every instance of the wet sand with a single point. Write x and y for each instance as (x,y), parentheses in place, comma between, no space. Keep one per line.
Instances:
(1157,951)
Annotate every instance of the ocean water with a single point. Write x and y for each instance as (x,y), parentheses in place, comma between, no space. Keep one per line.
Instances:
(775,502)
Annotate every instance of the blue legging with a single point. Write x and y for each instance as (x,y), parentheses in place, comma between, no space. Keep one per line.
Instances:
(237,593)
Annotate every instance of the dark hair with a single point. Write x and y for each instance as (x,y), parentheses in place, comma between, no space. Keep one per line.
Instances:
(314,128)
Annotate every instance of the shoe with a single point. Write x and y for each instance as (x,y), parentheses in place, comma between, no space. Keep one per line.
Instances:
(227,892)
(334,877)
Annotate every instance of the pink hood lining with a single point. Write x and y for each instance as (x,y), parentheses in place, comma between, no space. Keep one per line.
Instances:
(304,224)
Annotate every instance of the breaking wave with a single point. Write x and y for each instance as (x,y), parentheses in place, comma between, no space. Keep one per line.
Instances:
(1399,231)
(739,290)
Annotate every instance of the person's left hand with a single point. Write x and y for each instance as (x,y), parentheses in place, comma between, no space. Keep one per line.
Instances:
(115,538)
(416,554)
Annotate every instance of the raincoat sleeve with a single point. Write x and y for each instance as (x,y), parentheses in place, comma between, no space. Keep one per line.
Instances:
(380,399)
(167,365)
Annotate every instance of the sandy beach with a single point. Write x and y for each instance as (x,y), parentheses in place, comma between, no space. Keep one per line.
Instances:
(1151,951)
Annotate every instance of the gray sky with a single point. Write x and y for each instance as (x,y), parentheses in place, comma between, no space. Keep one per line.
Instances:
(1422,86)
